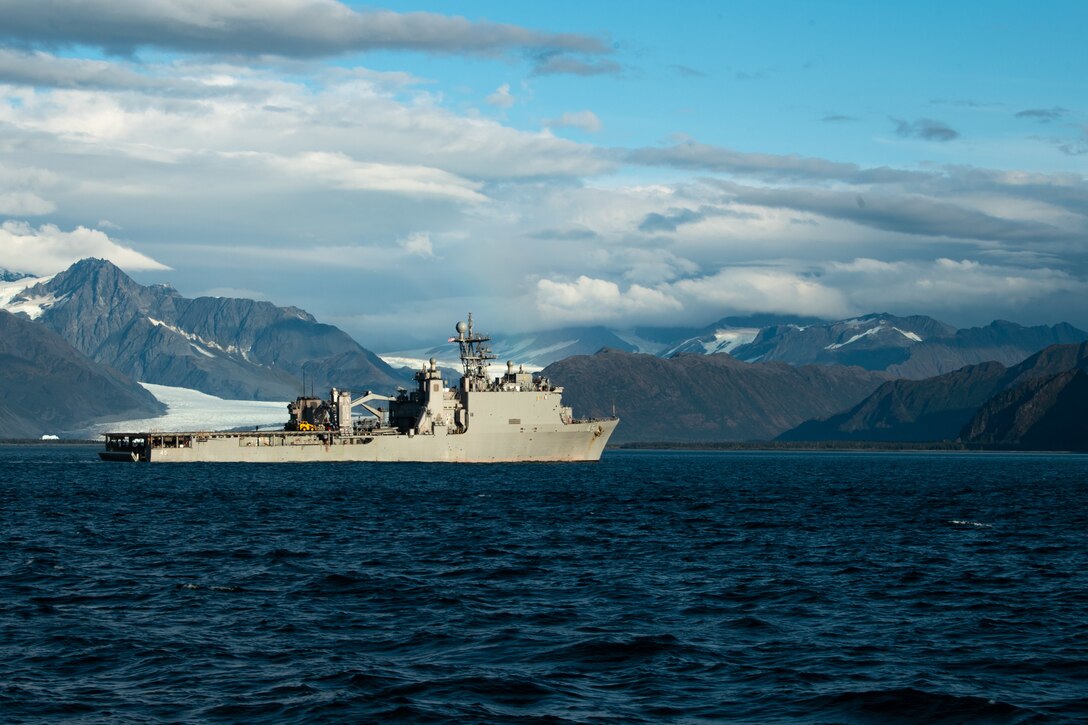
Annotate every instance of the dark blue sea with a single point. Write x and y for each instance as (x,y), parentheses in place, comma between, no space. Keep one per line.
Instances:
(650,587)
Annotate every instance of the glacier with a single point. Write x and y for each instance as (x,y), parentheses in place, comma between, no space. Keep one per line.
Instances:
(188,410)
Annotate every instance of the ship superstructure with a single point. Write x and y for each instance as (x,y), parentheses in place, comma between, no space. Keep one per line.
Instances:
(512,417)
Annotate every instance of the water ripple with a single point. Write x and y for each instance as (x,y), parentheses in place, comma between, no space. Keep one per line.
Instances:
(653,586)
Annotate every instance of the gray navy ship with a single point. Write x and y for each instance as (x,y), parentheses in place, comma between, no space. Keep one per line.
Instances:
(509,418)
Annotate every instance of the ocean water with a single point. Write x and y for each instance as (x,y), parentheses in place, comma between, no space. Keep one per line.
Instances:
(650,587)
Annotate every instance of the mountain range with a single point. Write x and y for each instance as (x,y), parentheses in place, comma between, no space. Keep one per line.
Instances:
(741,378)
(914,347)
(7,275)
(705,397)
(231,348)
(987,403)
(1045,413)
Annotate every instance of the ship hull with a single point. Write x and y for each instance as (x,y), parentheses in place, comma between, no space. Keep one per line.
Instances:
(576,441)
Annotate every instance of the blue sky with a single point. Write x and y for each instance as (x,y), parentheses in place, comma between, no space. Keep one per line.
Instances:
(390,168)
(794,78)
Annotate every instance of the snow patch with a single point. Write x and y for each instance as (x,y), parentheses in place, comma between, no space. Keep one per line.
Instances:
(189,410)
(407,360)
(8,290)
(194,338)
(524,350)
(32,307)
(728,339)
(855,338)
(913,337)
(908,334)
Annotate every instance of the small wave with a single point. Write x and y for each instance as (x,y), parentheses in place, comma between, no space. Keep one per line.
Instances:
(965,522)
(751,623)
(277,554)
(908,704)
(601,651)
(513,572)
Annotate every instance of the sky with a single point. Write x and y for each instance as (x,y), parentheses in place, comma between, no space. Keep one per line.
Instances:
(391,168)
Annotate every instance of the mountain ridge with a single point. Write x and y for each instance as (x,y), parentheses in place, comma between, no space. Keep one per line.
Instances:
(936,408)
(228,347)
(1045,413)
(915,347)
(47,386)
(703,397)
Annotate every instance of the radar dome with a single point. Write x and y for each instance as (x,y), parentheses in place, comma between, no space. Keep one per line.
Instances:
(461,327)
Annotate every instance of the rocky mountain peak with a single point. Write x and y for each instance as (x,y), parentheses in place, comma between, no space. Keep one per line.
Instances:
(6,275)
(101,276)
(230,347)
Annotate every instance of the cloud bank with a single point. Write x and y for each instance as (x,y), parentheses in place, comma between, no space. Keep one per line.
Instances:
(371,196)
(292,28)
(47,249)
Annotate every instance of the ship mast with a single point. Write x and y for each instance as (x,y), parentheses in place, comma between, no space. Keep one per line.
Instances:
(474,354)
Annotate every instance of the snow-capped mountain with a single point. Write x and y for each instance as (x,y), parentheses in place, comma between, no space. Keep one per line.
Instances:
(232,348)
(873,342)
(912,347)
(6,275)
(13,285)
(244,349)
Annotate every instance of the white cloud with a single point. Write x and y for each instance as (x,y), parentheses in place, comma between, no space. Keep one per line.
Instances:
(584,120)
(832,290)
(502,97)
(340,171)
(24,203)
(350,114)
(235,172)
(949,284)
(21,191)
(418,244)
(48,249)
(764,289)
(652,266)
(587,299)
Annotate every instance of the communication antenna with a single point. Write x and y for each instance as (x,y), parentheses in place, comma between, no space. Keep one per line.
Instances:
(475,353)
